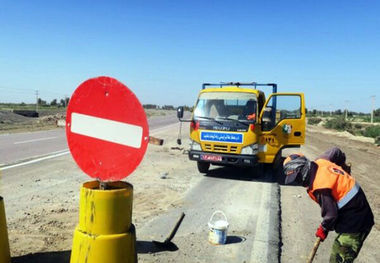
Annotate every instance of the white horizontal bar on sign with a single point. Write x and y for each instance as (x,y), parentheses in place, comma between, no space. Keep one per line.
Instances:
(107,130)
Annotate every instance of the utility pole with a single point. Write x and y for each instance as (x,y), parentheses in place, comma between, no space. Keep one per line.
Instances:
(330,109)
(373,107)
(36,100)
(345,117)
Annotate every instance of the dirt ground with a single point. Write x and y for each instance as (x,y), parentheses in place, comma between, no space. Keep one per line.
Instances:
(42,208)
(42,218)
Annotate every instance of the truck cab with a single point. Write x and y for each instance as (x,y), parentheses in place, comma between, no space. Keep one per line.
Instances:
(234,124)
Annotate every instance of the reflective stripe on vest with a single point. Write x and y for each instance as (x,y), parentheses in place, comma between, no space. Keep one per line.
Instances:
(354,190)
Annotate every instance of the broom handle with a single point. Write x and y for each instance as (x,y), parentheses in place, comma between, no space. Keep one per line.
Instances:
(174,231)
(315,248)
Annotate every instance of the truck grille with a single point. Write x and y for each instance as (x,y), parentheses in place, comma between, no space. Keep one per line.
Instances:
(220,148)
(233,149)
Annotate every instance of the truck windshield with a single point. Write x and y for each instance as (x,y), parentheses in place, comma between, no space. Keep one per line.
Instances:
(239,106)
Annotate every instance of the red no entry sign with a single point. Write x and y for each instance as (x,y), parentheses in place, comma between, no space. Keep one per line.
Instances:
(106,128)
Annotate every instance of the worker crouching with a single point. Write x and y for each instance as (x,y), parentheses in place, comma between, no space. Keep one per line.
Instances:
(344,206)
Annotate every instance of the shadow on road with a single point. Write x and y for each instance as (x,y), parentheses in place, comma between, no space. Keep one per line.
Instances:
(45,257)
(142,247)
(147,247)
(235,239)
(264,174)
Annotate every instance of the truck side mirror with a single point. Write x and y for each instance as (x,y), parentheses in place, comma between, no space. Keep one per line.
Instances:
(180,112)
(267,121)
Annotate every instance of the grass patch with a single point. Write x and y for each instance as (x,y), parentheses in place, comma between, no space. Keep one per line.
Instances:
(313,121)
(150,113)
(339,124)
(377,141)
(372,131)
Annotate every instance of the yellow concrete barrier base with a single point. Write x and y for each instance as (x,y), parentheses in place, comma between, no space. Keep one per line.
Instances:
(5,256)
(104,248)
(105,233)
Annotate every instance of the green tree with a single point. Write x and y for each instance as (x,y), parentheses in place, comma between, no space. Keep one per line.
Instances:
(168,107)
(41,101)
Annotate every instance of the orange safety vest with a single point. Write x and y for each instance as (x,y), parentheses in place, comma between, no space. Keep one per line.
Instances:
(331,176)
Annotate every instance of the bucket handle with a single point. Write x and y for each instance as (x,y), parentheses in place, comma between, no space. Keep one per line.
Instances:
(217,212)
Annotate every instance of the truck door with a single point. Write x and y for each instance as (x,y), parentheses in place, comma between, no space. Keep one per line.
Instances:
(282,124)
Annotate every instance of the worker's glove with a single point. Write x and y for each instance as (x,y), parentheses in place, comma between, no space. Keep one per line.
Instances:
(321,233)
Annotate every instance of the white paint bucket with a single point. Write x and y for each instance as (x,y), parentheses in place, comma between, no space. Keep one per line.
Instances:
(218,229)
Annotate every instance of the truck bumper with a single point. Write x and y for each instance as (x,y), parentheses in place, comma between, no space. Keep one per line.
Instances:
(224,159)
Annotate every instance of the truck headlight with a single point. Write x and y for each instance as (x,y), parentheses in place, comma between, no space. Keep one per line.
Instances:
(195,146)
(252,149)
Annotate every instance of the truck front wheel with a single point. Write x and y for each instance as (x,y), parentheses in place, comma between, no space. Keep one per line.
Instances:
(203,167)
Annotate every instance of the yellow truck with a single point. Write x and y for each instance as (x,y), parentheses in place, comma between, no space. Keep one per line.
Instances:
(233,124)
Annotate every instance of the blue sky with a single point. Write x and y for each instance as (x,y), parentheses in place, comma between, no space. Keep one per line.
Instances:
(165,50)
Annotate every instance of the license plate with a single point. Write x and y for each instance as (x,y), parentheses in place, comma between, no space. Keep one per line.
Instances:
(212,158)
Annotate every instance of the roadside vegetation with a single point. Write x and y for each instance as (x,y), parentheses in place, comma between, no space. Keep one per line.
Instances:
(20,117)
(314,120)
(44,108)
(358,124)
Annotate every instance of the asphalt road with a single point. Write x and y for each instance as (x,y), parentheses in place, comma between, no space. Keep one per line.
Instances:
(251,206)
(45,195)
(22,146)
(18,147)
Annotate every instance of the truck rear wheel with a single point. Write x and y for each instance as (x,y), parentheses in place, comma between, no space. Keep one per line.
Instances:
(257,171)
(279,175)
(277,162)
(203,167)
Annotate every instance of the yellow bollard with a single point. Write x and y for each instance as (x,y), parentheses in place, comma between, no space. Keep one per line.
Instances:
(105,232)
(5,256)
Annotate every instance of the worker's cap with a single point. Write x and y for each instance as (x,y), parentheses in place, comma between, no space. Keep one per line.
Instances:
(294,166)
(292,157)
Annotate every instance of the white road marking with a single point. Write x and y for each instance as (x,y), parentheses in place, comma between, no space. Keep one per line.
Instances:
(107,130)
(63,152)
(52,155)
(36,140)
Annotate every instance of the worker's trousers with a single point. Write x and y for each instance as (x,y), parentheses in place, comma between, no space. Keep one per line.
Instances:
(347,246)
